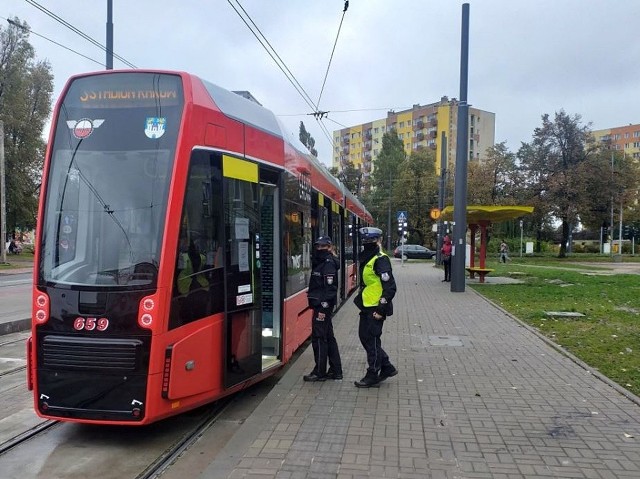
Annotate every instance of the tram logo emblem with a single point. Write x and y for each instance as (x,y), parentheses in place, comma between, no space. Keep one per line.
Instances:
(155,127)
(83,128)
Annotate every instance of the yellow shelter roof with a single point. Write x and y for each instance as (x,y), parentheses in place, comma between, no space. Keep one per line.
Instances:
(477,213)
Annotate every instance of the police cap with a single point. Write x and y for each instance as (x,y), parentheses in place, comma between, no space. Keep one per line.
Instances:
(369,234)
(324,241)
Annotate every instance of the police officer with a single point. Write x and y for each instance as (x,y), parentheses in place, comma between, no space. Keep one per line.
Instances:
(322,296)
(377,289)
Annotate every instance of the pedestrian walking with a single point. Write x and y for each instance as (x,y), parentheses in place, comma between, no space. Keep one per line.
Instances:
(377,289)
(322,296)
(504,252)
(446,257)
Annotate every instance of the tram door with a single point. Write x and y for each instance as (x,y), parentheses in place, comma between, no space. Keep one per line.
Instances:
(336,234)
(268,258)
(252,288)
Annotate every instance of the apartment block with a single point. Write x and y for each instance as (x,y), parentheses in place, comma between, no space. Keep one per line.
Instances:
(621,138)
(420,127)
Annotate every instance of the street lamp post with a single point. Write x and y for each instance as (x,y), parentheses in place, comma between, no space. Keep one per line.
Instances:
(521,224)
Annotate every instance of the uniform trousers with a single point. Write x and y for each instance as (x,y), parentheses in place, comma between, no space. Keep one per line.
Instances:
(370,332)
(324,344)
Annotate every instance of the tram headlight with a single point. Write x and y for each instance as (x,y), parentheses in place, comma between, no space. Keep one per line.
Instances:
(147,312)
(40,307)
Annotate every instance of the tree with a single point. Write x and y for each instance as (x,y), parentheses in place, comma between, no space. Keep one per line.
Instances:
(416,192)
(559,148)
(383,180)
(494,180)
(532,192)
(26,86)
(610,176)
(350,177)
(307,140)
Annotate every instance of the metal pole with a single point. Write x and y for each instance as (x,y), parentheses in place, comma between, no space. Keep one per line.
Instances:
(389,216)
(620,229)
(109,62)
(3,203)
(521,224)
(462,152)
(443,179)
(611,224)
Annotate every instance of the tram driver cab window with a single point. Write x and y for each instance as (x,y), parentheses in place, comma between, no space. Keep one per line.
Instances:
(198,279)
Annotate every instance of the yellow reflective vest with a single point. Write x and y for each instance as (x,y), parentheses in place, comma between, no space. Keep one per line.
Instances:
(187,276)
(372,291)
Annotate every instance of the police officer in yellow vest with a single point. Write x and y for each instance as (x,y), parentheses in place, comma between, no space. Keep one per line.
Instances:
(377,289)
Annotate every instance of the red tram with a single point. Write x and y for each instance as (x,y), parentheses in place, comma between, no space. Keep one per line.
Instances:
(175,231)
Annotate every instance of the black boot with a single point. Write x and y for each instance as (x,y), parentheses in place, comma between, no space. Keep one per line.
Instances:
(314,377)
(370,380)
(387,372)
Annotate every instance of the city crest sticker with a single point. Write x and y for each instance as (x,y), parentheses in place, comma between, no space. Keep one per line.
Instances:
(155,127)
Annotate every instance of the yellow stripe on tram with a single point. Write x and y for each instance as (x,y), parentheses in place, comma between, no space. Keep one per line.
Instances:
(239,169)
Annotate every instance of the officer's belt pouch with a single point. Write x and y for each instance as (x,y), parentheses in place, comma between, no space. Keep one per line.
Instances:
(358,301)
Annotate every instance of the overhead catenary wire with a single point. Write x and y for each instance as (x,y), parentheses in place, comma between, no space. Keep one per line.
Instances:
(344,11)
(271,52)
(251,25)
(22,27)
(77,31)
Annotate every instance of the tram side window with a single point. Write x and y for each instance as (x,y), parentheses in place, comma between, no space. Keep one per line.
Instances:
(297,233)
(198,286)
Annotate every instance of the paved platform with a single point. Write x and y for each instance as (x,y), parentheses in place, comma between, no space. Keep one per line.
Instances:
(478,395)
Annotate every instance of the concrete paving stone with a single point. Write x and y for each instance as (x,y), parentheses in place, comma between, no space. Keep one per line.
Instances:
(491,396)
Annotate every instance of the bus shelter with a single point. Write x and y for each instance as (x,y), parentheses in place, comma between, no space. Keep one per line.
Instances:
(480,217)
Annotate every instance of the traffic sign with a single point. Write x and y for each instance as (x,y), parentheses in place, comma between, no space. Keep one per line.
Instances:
(402,216)
(434,213)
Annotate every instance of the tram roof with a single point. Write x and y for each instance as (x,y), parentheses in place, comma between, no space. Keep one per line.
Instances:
(242,109)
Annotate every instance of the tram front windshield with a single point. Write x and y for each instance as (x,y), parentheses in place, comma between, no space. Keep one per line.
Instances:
(108,180)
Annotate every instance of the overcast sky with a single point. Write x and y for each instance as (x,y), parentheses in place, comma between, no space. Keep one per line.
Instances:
(526,58)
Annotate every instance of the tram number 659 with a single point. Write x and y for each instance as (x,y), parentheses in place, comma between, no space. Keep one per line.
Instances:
(89,324)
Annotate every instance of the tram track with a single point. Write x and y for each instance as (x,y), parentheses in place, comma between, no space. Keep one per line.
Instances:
(26,435)
(169,456)
(68,450)
(12,371)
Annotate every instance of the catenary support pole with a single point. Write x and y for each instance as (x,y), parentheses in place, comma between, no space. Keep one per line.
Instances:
(109,62)
(462,149)
(441,193)
(3,198)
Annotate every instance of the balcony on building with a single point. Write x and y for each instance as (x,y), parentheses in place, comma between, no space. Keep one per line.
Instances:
(420,136)
(419,124)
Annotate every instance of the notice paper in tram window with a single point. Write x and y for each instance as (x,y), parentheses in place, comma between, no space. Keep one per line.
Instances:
(242,228)
(243,256)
